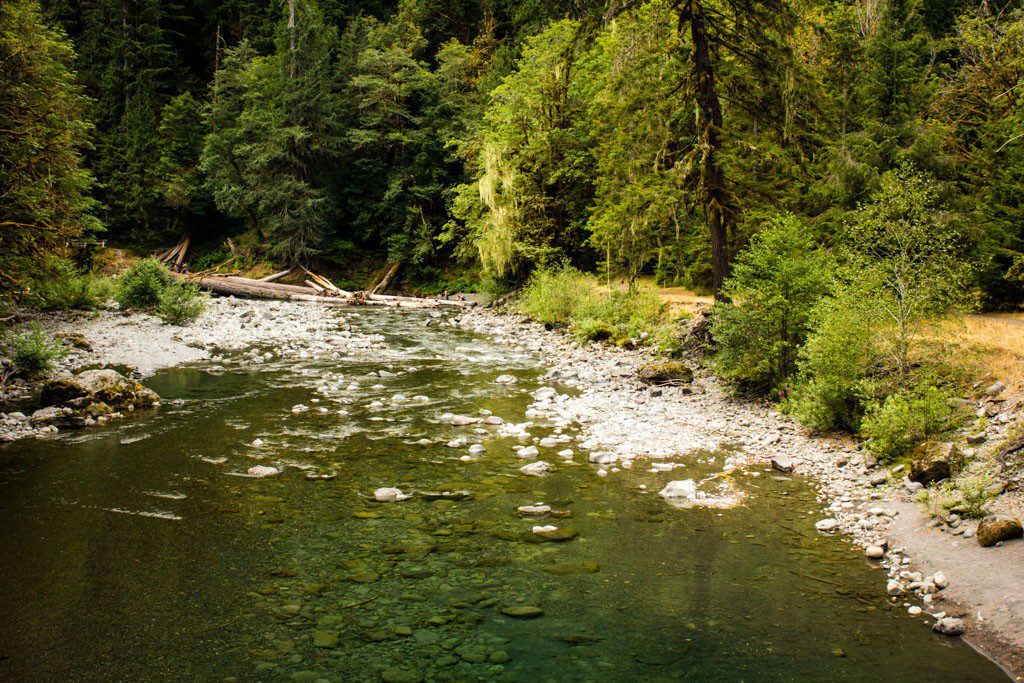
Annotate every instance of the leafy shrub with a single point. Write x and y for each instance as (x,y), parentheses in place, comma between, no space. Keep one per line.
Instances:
(553,297)
(33,351)
(836,364)
(73,291)
(775,285)
(894,426)
(965,496)
(142,285)
(181,304)
(629,313)
(592,330)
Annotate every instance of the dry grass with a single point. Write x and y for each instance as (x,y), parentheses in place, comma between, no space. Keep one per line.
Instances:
(994,343)
(679,299)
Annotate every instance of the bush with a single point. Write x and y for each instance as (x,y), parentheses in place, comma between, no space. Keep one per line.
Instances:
(894,426)
(553,297)
(592,330)
(629,314)
(34,351)
(181,304)
(568,298)
(142,285)
(836,364)
(775,285)
(82,292)
(965,496)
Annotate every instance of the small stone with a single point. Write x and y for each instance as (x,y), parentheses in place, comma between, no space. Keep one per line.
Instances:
(826,525)
(389,494)
(783,464)
(324,639)
(498,657)
(913,610)
(522,611)
(874,552)
(536,469)
(940,580)
(400,676)
(949,626)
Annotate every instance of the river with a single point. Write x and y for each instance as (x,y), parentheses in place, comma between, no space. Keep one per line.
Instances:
(136,551)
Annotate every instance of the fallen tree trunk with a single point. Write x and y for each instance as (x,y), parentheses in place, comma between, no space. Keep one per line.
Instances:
(255,289)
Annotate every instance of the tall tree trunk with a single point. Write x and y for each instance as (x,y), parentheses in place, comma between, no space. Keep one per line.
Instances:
(291,37)
(709,127)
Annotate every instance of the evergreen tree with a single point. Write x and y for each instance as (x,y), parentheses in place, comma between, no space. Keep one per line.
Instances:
(45,199)
(274,136)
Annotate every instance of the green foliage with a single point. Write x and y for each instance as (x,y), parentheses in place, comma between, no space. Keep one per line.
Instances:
(142,286)
(553,297)
(966,496)
(65,288)
(901,276)
(568,298)
(835,364)
(588,330)
(775,284)
(44,186)
(274,124)
(893,427)
(527,203)
(181,304)
(33,351)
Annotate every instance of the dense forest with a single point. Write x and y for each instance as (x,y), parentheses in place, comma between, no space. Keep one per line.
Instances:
(625,137)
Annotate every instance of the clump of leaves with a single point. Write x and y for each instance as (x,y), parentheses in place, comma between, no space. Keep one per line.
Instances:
(893,427)
(181,304)
(34,351)
(142,285)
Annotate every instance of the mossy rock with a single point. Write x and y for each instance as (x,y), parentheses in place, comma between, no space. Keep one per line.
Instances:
(668,372)
(933,461)
(97,386)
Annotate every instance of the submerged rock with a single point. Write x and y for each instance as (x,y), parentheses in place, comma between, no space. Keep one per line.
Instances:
(262,471)
(522,611)
(580,567)
(996,528)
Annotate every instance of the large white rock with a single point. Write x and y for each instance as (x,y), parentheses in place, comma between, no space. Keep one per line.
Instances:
(262,471)
(537,469)
(388,494)
(528,452)
(684,488)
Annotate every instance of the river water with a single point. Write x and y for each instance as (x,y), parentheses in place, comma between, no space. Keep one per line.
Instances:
(133,551)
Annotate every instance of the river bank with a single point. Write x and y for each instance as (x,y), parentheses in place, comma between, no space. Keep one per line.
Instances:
(625,424)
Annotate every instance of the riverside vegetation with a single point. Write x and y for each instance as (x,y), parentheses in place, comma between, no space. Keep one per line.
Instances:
(842,177)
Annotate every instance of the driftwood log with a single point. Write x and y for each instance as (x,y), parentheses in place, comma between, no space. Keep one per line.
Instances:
(256,289)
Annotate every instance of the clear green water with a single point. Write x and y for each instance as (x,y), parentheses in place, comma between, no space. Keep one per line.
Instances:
(238,575)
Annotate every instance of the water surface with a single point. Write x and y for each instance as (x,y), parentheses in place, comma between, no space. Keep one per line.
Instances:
(133,552)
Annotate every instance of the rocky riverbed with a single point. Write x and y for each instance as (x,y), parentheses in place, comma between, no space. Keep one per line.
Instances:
(941,576)
(944,578)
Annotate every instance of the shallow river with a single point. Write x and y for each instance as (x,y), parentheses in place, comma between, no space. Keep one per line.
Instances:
(134,552)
